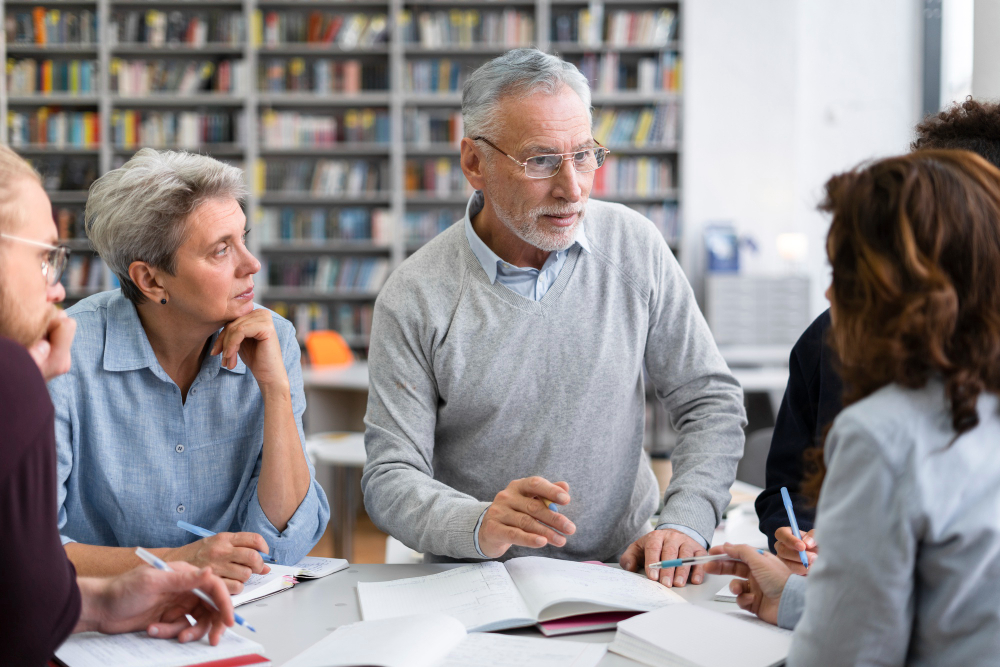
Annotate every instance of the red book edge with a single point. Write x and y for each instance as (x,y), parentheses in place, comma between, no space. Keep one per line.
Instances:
(238,661)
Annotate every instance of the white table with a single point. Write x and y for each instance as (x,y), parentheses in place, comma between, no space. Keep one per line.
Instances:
(290,622)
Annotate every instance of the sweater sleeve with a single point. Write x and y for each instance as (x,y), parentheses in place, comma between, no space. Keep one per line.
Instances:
(859,600)
(41,601)
(702,398)
(401,495)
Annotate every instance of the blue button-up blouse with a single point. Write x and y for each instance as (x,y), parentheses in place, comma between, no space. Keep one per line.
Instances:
(133,458)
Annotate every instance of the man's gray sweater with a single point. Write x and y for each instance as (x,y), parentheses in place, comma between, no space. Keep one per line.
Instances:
(473,386)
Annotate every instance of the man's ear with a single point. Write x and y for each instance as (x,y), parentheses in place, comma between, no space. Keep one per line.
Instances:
(147,279)
(473,164)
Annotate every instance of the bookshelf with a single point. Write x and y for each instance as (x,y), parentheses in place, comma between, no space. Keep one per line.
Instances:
(344,114)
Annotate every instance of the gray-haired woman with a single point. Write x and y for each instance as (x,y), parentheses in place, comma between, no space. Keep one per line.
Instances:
(159,420)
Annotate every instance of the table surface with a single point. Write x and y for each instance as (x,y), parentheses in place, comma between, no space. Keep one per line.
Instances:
(290,622)
(353,376)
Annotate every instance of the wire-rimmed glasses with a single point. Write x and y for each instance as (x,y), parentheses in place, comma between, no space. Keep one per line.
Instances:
(548,165)
(55,259)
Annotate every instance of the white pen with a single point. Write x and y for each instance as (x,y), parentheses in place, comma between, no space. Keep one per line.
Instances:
(158,563)
(694,560)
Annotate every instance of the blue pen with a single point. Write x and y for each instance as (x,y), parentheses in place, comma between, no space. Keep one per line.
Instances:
(204,532)
(795,524)
(693,560)
(158,563)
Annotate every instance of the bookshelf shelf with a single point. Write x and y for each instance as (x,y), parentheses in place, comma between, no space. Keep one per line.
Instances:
(397,127)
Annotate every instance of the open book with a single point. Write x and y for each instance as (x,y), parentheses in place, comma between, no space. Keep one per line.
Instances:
(518,593)
(437,640)
(137,649)
(675,637)
(283,577)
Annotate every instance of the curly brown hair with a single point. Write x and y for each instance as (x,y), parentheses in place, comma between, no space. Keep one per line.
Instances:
(969,125)
(915,250)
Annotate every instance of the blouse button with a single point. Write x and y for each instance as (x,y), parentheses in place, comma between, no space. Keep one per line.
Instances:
(180,509)
(179,448)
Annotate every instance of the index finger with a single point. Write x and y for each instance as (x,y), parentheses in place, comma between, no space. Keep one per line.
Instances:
(543,488)
(785,536)
(250,541)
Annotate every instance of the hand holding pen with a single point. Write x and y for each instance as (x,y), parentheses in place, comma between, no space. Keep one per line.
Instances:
(798,550)
(762,578)
(232,556)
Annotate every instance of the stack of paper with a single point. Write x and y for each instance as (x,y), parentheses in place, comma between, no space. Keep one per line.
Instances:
(678,636)
(92,649)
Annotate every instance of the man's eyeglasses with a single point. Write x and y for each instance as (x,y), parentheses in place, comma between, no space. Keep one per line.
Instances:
(547,166)
(55,258)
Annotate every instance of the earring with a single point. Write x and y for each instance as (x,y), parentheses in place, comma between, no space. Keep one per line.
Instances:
(163,301)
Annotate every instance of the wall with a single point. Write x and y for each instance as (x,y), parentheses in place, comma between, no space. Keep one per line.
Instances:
(986,50)
(776,102)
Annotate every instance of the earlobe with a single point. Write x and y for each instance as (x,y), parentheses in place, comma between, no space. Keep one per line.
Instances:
(472,164)
(145,278)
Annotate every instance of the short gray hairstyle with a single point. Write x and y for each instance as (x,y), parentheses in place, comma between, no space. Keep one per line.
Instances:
(519,73)
(137,212)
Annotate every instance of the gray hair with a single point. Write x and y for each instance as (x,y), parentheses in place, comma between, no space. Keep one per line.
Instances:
(520,73)
(137,212)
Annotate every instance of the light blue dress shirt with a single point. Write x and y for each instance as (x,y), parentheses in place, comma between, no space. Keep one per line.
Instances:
(133,458)
(531,284)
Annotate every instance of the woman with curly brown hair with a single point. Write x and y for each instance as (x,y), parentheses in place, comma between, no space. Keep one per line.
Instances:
(909,514)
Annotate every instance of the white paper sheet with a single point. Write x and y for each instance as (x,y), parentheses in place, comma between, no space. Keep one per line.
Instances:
(481,596)
(312,567)
(137,649)
(486,650)
(543,582)
(411,641)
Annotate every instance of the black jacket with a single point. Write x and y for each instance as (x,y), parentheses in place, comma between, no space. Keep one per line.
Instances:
(811,401)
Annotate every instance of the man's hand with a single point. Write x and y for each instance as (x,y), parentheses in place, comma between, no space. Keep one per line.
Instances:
(51,353)
(763,578)
(666,544)
(233,556)
(155,601)
(788,548)
(254,338)
(520,515)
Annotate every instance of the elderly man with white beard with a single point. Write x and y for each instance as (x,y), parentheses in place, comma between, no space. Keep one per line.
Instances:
(506,407)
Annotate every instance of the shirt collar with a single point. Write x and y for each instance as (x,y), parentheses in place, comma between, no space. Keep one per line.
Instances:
(487,258)
(126,347)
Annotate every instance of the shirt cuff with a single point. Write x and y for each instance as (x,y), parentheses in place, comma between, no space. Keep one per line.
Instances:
(67,540)
(687,531)
(301,533)
(793,602)
(475,534)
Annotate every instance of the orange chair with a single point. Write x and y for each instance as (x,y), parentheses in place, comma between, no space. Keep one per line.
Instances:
(328,348)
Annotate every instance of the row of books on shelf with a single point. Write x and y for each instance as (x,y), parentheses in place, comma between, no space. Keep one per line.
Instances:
(608,74)
(85,272)
(653,28)
(352,321)
(66,172)
(322,76)
(470,27)
(640,176)
(291,129)
(328,273)
(320,225)
(440,176)
(433,126)
(178,76)
(27,76)
(322,177)
(176,129)
(51,26)
(348,31)
(157,28)
(644,127)
(56,128)
(421,226)
(437,75)
(69,222)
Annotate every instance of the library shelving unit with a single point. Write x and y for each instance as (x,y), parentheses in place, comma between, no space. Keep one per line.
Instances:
(345,115)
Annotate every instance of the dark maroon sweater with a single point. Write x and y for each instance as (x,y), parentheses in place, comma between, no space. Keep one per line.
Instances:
(39,598)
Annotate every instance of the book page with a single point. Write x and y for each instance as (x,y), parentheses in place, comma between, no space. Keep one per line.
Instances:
(547,582)
(313,567)
(407,641)
(485,650)
(481,596)
(280,578)
(137,649)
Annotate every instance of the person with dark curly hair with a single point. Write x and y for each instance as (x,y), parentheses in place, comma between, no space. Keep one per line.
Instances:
(911,478)
(813,396)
